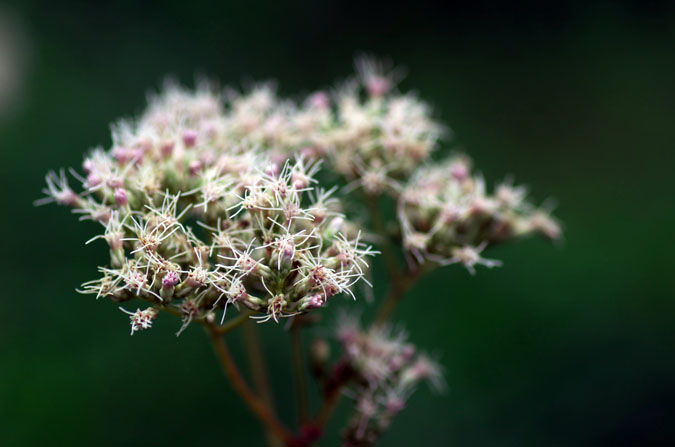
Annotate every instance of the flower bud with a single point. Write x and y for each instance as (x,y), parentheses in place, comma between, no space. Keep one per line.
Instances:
(189,138)
(311,302)
(319,100)
(170,280)
(272,170)
(194,167)
(122,155)
(166,149)
(459,170)
(88,166)
(378,86)
(121,196)
(92,180)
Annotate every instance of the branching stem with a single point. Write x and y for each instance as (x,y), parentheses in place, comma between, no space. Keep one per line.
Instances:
(254,403)
(299,373)
(259,373)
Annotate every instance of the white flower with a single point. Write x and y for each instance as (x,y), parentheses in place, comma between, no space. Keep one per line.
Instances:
(141,319)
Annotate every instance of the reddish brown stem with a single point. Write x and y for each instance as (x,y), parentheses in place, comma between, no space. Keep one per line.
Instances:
(259,374)
(254,403)
(400,286)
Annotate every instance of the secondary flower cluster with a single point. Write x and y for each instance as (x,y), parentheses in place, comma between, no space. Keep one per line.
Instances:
(381,136)
(387,370)
(447,215)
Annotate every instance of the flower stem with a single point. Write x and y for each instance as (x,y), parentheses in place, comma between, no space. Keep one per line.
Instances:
(380,228)
(254,403)
(332,390)
(400,285)
(235,322)
(299,372)
(258,368)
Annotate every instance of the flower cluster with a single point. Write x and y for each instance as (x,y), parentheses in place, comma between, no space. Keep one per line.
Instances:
(381,136)
(267,238)
(211,200)
(387,369)
(447,215)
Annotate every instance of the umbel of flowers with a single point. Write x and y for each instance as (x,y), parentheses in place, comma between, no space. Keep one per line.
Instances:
(211,200)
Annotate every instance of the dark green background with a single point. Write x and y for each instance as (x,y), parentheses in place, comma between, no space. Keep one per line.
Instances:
(568,345)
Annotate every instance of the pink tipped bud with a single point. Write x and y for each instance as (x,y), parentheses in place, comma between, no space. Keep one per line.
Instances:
(189,138)
(141,319)
(137,155)
(408,351)
(166,148)
(194,167)
(66,197)
(121,196)
(311,302)
(115,182)
(286,251)
(122,155)
(378,86)
(309,152)
(272,170)
(459,171)
(88,166)
(300,180)
(115,240)
(93,180)
(394,405)
(170,280)
(319,100)
(101,214)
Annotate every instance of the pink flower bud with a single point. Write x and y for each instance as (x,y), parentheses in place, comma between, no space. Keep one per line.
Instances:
(272,170)
(408,351)
(308,152)
(170,280)
(189,138)
(312,302)
(121,196)
(115,240)
(459,171)
(102,215)
(122,155)
(300,180)
(319,100)
(88,166)
(93,180)
(66,197)
(137,155)
(166,148)
(394,405)
(194,167)
(378,86)
(115,182)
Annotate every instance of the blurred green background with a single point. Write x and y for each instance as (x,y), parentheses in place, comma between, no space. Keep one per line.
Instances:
(563,346)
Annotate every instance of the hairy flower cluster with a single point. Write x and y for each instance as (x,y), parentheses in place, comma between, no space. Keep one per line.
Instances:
(387,371)
(267,239)
(447,215)
(210,200)
(382,136)
(370,134)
